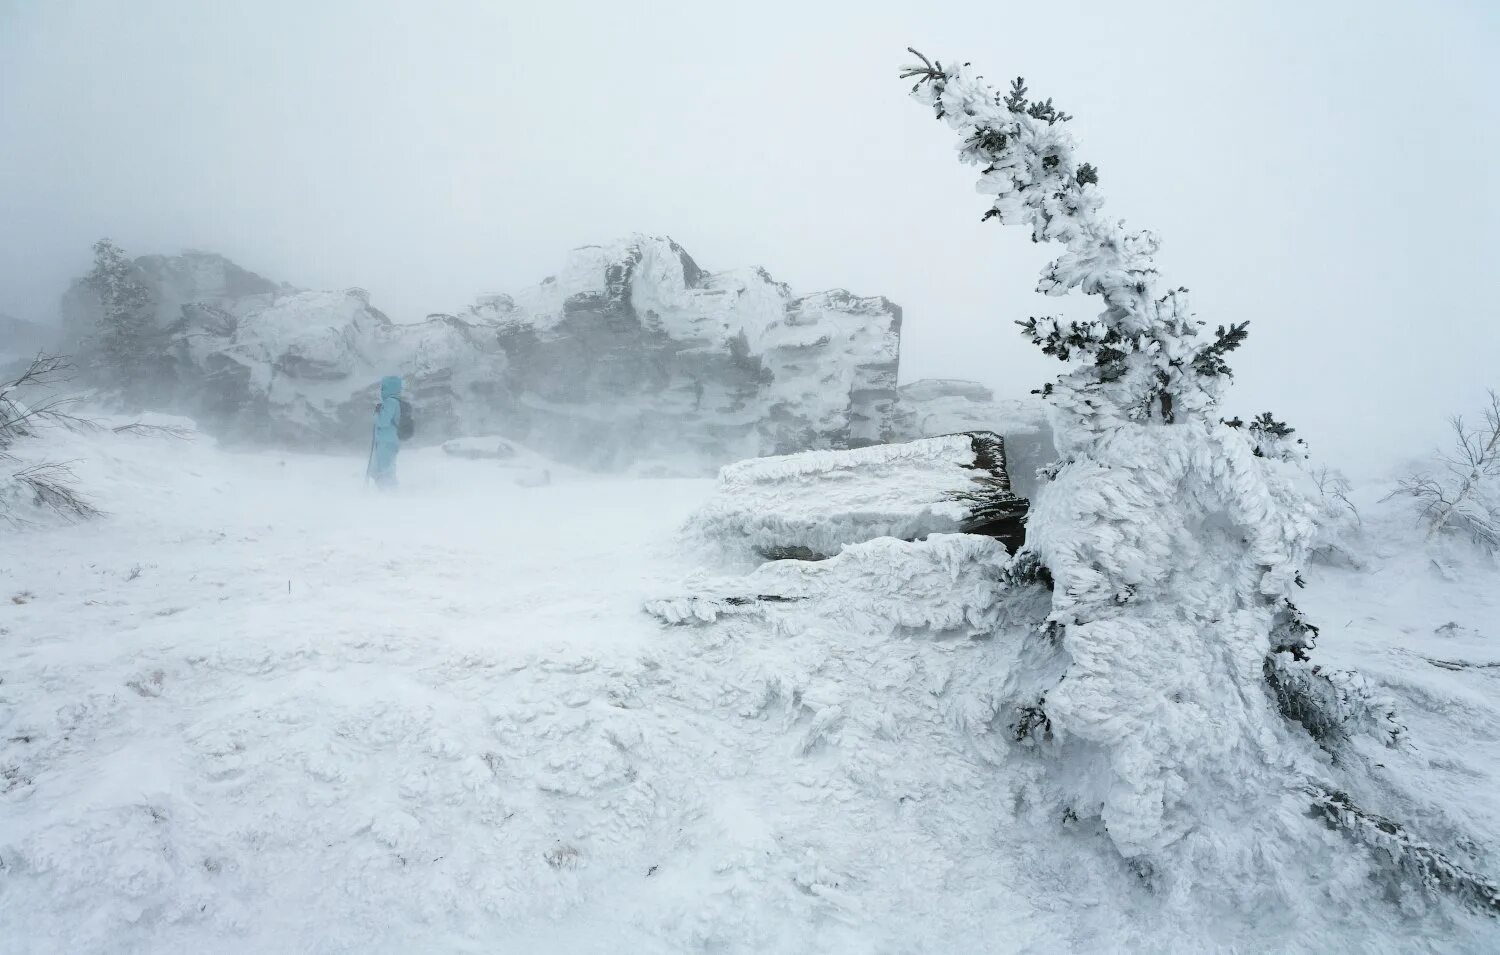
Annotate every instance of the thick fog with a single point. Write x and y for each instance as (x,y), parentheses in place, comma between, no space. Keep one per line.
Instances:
(1324,171)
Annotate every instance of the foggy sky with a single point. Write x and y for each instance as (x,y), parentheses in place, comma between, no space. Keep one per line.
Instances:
(1324,170)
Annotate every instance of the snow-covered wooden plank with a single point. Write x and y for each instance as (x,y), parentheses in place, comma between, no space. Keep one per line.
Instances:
(812,504)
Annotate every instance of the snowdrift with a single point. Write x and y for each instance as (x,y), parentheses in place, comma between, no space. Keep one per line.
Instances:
(456,730)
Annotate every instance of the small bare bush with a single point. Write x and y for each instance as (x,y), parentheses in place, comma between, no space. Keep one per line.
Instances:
(1463,498)
(48,487)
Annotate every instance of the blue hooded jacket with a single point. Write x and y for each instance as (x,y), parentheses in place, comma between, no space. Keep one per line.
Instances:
(387,414)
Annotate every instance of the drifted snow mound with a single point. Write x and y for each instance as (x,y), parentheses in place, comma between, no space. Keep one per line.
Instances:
(630,352)
(809,505)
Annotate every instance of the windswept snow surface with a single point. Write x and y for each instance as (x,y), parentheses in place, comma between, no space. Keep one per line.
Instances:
(259,709)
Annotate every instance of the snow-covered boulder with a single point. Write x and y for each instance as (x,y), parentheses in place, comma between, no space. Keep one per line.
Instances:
(932,406)
(811,505)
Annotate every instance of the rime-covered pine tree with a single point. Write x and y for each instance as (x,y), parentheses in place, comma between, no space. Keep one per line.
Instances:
(1166,693)
(127,347)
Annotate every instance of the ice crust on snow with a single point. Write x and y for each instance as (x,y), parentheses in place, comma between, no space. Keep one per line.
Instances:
(945,584)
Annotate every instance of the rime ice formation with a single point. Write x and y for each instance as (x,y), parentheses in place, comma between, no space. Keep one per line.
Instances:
(631,352)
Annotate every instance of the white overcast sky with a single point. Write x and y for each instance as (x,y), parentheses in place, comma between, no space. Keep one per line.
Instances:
(1323,169)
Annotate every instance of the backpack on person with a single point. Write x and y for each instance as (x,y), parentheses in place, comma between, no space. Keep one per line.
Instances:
(406,423)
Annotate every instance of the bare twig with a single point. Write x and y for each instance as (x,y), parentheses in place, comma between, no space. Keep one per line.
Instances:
(163,430)
(44,370)
(928,71)
(51,485)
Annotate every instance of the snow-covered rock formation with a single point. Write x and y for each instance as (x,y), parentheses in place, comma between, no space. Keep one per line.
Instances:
(264,362)
(631,352)
(811,505)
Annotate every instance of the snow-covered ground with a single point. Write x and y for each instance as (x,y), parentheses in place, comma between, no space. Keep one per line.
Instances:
(257,708)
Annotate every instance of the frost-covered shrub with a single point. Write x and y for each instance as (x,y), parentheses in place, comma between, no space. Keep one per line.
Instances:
(1164,688)
(1464,498)
(1332,705)
(1339,526)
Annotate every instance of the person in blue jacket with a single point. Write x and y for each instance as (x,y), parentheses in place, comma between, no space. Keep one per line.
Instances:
(386,443)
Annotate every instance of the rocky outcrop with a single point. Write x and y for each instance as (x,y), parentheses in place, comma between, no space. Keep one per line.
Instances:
(631,352)
(634,352)
(262,362)
(631,356)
